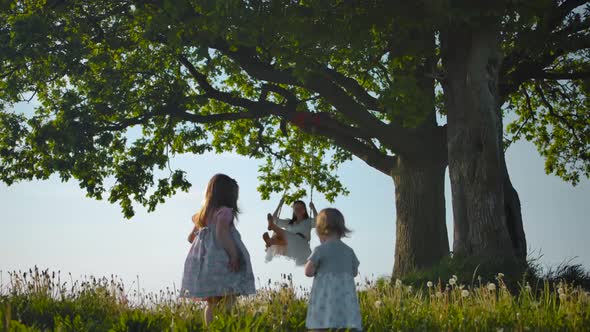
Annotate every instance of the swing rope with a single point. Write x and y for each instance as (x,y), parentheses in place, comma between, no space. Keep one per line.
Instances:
(311,182)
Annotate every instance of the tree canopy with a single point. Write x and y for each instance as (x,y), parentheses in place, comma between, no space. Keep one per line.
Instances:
(124,86)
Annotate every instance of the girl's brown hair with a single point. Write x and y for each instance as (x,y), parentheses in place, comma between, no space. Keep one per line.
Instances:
(331,221)
(221,191)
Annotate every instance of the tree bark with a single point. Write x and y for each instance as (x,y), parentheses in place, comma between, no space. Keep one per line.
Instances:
(471,57)
(512,208)
(421,232)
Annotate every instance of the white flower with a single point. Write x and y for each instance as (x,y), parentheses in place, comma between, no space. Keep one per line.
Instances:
(464,293)
(438,294)
(517,315)
(560,291)
(461,286)
(455,277)
(500,275)
(562,296)
(378,304)
(429,284)
(409,289)
(398,283)
(491,286)
(452,281)
(261,309)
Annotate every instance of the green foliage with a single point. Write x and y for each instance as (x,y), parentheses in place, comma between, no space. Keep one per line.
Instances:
(449,304)
(546,83)
(555,116)
(122,87)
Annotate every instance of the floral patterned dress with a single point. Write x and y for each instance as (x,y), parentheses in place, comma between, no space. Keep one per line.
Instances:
(333,302)
(206,268)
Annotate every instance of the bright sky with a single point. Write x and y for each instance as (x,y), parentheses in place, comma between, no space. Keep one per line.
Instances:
(53,225)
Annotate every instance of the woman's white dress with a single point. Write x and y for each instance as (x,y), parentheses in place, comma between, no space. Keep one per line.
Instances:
(297,235)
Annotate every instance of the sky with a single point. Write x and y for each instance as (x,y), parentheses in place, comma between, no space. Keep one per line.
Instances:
(53,225)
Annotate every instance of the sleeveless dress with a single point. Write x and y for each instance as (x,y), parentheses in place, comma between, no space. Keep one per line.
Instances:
(333,301)
(206,268)
(297,235)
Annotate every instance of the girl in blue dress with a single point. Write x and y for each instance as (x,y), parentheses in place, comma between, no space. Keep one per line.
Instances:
(333,302)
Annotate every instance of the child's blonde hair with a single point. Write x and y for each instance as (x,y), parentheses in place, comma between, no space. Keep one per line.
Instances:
(331,221)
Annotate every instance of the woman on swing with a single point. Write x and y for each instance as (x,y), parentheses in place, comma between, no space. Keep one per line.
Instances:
(291,236)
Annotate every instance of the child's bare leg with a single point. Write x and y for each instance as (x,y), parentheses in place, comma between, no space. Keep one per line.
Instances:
(211,306)
(228,302)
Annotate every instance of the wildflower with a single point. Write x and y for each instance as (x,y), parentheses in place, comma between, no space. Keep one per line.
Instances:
(491,286)
(461,286)
(464,293)
(500,275)
(398,283)
(455,277)
(518,315)
(429,284)
(409,289)
(452,281)
(560,291)
(378,304)
(562,296)
(261,309)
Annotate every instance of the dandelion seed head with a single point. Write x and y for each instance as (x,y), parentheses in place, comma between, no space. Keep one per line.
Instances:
(378,304)
(464,293)
(398,283)
(500,275)
(452,281)
(491,286)
(429,284)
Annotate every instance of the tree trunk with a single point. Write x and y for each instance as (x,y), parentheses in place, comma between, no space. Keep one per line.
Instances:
(512,208)
(419,177)
(471,57)
(421,231)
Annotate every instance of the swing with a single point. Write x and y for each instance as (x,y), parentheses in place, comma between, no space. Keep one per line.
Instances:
(291,240)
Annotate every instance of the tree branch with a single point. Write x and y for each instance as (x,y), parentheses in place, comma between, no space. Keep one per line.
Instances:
(527,67)
(354,88)
(561,76)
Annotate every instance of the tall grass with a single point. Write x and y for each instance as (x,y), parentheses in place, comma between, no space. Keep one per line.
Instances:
(38,300)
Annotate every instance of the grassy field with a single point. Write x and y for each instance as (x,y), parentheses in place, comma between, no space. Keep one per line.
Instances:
(47,301)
